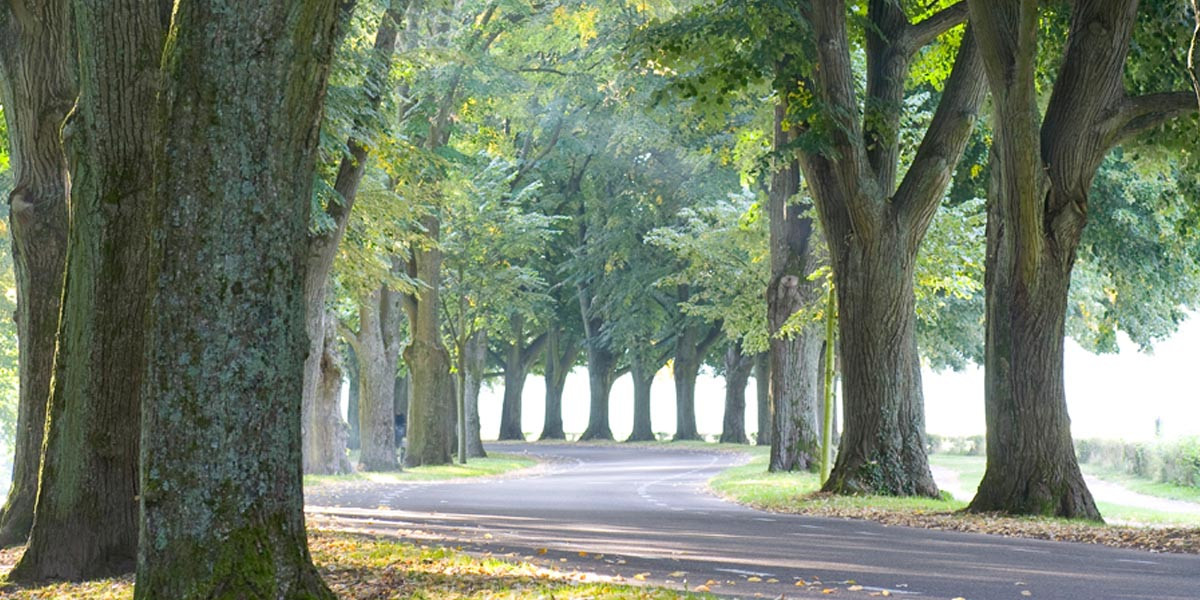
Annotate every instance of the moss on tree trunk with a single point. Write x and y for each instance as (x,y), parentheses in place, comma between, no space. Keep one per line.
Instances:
(222,502)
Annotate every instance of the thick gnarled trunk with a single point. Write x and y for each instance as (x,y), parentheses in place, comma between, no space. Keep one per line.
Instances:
(737,375)
(37,91)
(883,446)
(431,403)
(332,432)
(601,364)
(85,522)
(226,320)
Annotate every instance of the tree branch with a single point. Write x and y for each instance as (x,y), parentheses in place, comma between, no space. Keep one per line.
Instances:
(531,352)
(1143,113)
(921,191)
(1193,61)
(924,33)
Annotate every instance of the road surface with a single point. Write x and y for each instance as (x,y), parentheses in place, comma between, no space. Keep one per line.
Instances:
(645,514)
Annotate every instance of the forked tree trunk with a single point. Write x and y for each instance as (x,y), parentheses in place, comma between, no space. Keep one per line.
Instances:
(559,358)
(332,431)
(762,391)
(793,358)
(222,502)
(378,349)
(737,374)
(36,90)
(85,522)
(643,380)
(476,360)
(883,447)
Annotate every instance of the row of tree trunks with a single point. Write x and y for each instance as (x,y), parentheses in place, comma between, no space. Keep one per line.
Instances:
(519,358)
(319,456)
(560,354)
(222,500)
(737,374)
(37,89)
(85,522)
(692,344)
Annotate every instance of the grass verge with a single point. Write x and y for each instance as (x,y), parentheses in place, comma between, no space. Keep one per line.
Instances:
(494,464)
(1141,485)
(797,493)
(358,566)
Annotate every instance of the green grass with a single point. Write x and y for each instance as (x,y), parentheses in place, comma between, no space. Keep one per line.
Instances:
(494,464)
(1144,486)
(360,566)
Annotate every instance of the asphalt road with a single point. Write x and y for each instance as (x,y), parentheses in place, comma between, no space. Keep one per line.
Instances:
(646,514)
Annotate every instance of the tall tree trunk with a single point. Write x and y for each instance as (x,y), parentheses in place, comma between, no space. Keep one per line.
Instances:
(737,374)
(643,379)
(36,90)
(378,350)
(601,363)
(515,370)
(331,429)
(322,246)
(85,522)
(883,448)
(561,352)
(222,503)
(874,221)
(352,385)
(400,403)
(1042,173)
(686,369)
(762,391)
(476,360)
(431,420)
(793,358)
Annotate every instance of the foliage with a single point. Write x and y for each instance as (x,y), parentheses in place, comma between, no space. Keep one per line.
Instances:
(1175,462)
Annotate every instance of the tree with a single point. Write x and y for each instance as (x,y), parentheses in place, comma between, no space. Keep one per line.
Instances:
(323,454)
(86,513)
(227,341)
(737,373)
(1042,172)
(37,89)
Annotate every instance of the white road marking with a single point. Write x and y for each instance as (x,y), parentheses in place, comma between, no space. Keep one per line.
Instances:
(1136,562)
(742,572)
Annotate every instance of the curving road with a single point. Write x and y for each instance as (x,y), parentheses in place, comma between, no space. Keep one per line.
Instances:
(645,514)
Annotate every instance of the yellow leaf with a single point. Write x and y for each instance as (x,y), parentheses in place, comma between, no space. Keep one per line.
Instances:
(542,550)
(855,588)
(641,576)
(754,579)
(702,588)
(582,554)
(677,574)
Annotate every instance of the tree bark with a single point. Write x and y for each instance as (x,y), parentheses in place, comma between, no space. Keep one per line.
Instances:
(431,404)
(476,360)
(378,349)
(37,90)
(85,522)
(601,362)
(322,246)
(874,227)
(793,358)
(691,345)
(560,355)
(515,371)
(1042,170)
(332,431)
(643,373)
(352,384)
(737,374)
(762,390)
(222,502)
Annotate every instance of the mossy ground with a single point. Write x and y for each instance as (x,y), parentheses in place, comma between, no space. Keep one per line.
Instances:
(752,485)
(365,567)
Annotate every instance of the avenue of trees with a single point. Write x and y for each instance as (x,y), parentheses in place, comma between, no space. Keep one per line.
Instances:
(221,212)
